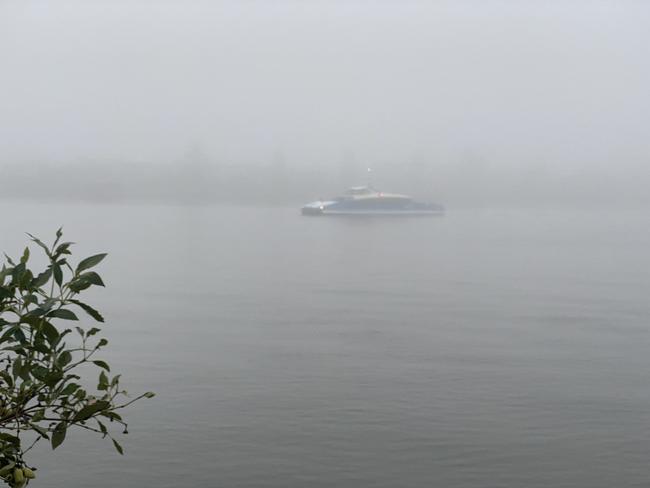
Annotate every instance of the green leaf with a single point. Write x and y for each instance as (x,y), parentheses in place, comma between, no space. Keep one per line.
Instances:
(53,378)
(149,394)
(89,410)
(9,333)
(63,313)
(33,316)
(90,262)
(93,331)
(78,285)
(7,378)
(70,389)
(25,256)
(117,446)
(10,438)
(103,381)
(16,367)
(14,331)
(50,331)
(58,435)
(17,272)
(102,427)
(63,249)
(4,272)
(40,373)
(89,310)
(102,364)
(85,280)
(58,274)
(43,278)
(21,370)
(19,334)
(39,415)
(40,243)
(64,359)
(41,347)
(5,293)
(92,278)
(48,304)
(25,279)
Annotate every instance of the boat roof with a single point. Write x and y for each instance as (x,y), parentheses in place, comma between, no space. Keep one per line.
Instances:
(361,189)
(369,192)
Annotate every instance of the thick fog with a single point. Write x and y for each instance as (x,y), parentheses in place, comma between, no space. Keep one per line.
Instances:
(465,102)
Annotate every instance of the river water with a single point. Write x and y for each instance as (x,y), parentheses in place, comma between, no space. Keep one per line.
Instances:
(485,348)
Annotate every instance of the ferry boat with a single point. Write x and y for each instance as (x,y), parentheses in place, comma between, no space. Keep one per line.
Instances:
(366,200)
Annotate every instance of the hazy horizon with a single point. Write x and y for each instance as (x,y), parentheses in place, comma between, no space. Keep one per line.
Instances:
(486,100)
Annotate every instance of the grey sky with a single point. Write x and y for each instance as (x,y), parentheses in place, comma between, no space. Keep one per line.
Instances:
(557,83)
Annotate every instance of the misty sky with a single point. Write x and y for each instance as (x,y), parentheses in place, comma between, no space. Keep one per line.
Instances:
(559,83)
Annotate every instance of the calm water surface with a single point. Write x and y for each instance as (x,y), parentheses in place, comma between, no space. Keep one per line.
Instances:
(493,348)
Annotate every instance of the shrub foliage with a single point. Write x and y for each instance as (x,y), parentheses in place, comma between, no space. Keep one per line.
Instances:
(46,384)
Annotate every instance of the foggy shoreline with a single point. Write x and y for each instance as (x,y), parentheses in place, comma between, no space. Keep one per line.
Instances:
(207,181)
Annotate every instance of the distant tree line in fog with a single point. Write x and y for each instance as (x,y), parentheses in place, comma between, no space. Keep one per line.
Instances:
(199,179)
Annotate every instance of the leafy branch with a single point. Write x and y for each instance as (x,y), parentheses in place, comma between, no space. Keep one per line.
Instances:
(42,395)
